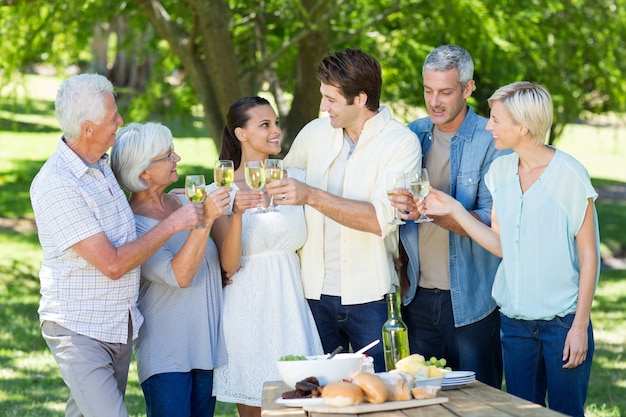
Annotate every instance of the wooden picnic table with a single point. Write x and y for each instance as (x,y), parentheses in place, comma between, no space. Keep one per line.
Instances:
(472,400)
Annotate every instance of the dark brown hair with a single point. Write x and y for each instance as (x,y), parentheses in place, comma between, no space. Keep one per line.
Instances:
(353,72)
(237,116)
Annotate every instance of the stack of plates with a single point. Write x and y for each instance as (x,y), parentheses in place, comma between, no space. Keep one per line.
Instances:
(456,379)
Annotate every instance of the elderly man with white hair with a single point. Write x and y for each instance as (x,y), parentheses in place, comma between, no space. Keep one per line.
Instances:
(91,256)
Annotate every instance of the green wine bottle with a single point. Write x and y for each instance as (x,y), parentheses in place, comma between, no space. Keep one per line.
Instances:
(395,333)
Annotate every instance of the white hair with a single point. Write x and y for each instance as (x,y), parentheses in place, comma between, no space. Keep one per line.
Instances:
(135,147)
(81,98)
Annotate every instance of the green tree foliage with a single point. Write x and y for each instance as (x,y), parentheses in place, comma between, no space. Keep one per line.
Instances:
(168,55)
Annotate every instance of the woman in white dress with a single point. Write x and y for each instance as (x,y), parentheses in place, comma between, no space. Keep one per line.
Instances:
(265,313)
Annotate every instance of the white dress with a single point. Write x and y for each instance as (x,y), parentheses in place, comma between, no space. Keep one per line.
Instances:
(265,313)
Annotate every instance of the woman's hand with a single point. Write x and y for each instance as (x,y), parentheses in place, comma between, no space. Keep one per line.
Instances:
(576,346)
(217,203)
(246,199)
(438,203)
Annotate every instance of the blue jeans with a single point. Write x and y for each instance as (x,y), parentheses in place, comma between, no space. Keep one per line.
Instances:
(533,365)
(181,394)
(353,325)
(475,347)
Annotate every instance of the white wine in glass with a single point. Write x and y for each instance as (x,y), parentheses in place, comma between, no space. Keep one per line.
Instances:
(195,190)
(420,186)
(273,172)
(224,173)
(255,178)
(395,181)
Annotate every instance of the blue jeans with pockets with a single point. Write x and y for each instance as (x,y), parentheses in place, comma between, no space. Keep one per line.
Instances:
(533,365)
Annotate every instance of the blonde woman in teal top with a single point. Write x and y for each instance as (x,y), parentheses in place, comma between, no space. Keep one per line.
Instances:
(544,227)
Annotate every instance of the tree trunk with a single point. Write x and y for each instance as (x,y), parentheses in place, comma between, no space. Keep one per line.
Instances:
(99,49)
(306,99)
(207,54)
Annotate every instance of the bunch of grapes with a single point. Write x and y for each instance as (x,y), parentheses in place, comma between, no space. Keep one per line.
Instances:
(439,363)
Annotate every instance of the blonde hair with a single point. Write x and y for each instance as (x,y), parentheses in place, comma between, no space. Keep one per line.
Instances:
(529,105)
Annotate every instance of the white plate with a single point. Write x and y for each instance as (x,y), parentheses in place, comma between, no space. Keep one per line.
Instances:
(458,374)
(300,402)
(456,385)
(457,381)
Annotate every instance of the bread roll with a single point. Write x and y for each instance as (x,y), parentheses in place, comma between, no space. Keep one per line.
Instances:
(341,394)
(373,387)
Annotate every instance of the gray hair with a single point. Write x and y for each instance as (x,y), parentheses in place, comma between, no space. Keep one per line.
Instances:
(447,57)
(81,98)
(529,105)
(135,147)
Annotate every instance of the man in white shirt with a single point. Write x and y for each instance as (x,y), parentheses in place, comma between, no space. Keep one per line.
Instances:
(347,264)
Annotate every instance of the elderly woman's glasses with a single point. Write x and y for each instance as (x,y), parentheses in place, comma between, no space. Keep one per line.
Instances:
(170,156)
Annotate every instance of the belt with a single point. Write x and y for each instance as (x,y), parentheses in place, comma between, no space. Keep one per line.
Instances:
(433,290)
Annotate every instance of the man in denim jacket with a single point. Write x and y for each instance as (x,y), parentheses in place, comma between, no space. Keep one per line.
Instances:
(448,306)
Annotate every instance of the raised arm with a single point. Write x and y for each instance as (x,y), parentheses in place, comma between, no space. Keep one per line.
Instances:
(438,203)
(359,215)
(227,230)
(114,262)
(188,259)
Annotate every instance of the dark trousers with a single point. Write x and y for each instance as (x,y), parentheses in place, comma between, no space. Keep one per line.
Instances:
(474,347)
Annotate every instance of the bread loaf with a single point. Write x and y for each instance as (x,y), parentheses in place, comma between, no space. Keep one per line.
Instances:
(398,385)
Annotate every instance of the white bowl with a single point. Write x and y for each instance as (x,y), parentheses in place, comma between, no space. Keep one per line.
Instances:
(342,366)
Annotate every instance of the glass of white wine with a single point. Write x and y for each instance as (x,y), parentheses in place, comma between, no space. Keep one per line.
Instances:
(255,178)
(224,173)
(420,185)
(195,190)
(395,181)
(273,172)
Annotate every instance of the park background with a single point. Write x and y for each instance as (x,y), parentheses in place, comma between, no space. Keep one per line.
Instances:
(183,62)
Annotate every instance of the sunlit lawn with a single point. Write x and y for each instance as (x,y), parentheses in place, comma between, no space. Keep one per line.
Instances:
(30,384)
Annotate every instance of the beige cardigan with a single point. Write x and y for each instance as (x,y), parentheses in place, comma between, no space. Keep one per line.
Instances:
(385,145)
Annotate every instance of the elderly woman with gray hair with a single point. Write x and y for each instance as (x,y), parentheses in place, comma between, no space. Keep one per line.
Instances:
(180,293)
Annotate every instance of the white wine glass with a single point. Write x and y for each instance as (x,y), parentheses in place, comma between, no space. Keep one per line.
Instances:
(195,190)
(395,181)
(420,185)
(224,175)
(255,178)
(273,172)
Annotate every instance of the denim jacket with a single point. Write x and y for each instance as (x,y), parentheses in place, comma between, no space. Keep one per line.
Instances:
(472,268)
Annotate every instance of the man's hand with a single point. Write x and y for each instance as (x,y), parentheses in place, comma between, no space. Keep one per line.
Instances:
(289,191)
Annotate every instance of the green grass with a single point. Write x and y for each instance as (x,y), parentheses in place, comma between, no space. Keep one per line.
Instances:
(30,384)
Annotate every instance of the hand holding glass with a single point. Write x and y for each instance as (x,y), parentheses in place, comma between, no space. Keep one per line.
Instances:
(273,172)
(395,180)
(420,185)
(255,178)
(195,190)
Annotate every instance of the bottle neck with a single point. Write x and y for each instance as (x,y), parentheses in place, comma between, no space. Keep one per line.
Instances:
(393,306)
